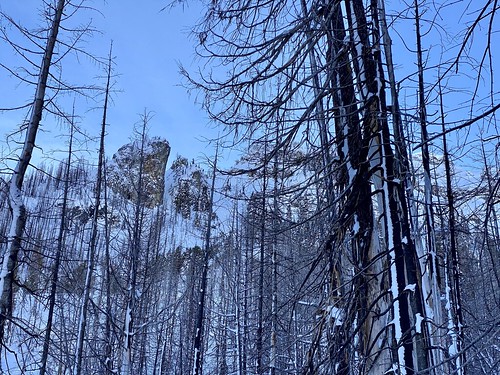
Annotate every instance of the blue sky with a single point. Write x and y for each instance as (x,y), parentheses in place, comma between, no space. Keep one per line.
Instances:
(147,45)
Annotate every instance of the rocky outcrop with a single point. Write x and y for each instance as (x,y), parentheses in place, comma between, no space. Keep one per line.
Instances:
(189,191)
(123,171)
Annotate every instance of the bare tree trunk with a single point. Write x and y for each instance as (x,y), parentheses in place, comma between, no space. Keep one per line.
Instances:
(239,275)
(245,305)
(457,322)
(259,338)
(108,345)
(82,323)
(384,265)
(355,210)
(18,209)
(108,352)
(57,258)
(200,316)
(135,249)
(274,263)
(222,320)
(430,285)
(410,338)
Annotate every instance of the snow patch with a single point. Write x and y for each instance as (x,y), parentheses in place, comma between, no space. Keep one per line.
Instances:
(336,314)
(411,287)
(452,349)
(418,322)
(393,370)
(356,226)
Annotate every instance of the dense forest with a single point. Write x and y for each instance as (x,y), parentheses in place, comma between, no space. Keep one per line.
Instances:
(355,233)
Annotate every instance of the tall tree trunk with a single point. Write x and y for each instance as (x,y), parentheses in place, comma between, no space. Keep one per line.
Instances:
(131,311)
(108,350)
(200,315)
(409,339)
(246,277)
(18,209)
(274,263)
(457,323)
(239,284)
(90,262)
(355,209)
(57,258)
(259,337)
(365,149)
(430,283)
(108,341)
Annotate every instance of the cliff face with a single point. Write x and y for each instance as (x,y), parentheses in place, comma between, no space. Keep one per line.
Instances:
(123,171)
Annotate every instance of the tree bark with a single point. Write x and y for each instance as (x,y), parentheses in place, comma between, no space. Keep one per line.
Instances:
(82,323)
(457,322)
(131,311)
(18,209)
(430,283)
(57,259)
(200,316)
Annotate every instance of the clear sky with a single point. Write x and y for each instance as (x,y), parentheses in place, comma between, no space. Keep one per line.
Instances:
(148,44)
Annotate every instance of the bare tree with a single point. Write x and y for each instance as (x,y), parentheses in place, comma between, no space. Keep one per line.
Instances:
(323,64)
(57,257)
(91,254)
(130,325)
(200,314)
(16,203)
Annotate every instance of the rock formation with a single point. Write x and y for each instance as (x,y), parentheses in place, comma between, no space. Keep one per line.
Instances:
(123,171)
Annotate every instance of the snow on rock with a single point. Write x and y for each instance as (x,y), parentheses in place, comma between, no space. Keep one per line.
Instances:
(123,170)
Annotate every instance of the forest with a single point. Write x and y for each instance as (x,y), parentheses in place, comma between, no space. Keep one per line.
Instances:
(354,232)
